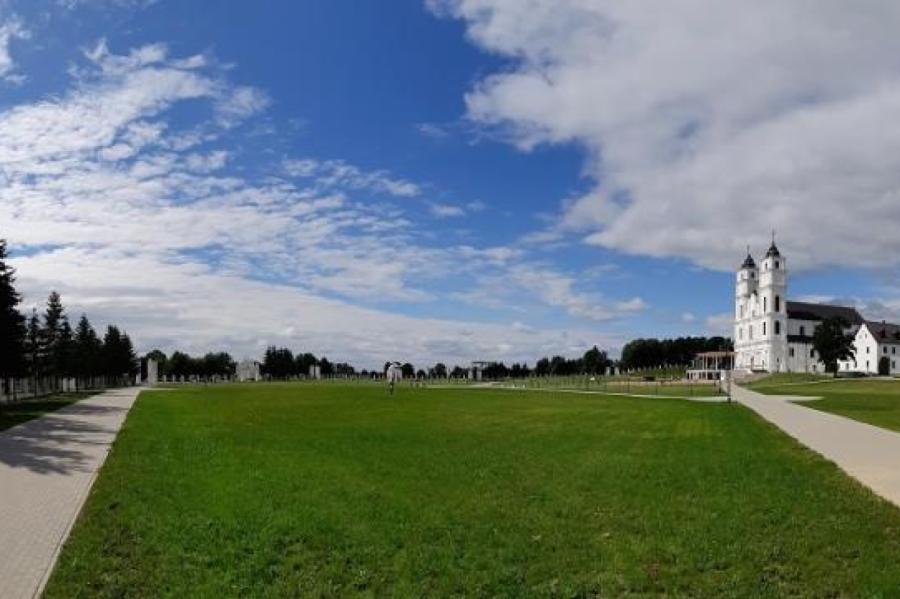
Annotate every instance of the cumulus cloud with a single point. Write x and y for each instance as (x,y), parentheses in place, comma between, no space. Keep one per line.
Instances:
(705,126)
(519,282)
(10,30)
(138,218)
(191,307)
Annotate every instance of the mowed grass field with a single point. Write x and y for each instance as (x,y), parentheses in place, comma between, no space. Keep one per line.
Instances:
(613,386)
(875,401)
(329,490)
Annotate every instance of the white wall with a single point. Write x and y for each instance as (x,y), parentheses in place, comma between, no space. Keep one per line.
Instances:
(869,352)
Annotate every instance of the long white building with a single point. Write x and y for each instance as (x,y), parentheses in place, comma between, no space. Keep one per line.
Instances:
(774,334)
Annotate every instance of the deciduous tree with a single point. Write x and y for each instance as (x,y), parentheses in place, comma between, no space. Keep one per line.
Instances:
(832,343)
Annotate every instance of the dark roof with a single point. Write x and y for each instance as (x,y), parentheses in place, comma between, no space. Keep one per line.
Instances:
(748,262)
(773,251)
(806,311)
(884,332)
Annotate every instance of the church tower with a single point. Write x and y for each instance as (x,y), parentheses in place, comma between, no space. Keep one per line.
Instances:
(773,312)
(745,299)
(760,319)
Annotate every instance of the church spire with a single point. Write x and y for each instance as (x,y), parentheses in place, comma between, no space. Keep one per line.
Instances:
(773,249)
(748,261)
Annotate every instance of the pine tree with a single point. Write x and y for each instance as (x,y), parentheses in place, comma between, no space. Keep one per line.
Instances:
(87,347)
(112,352)
(65,350)
(34,347)
(12,324)
(127,359)
(53,319)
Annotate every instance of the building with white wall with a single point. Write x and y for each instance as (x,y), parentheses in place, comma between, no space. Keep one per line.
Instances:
(772,334)
(876,349)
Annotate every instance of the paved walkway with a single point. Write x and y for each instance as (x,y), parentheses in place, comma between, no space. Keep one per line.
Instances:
(700,398)
(867,453)
(47,466)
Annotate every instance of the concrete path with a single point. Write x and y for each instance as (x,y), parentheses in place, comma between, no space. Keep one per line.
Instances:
(867,453)
(47,467)
(700,398)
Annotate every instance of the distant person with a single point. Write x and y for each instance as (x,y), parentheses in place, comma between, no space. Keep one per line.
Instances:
(394,373)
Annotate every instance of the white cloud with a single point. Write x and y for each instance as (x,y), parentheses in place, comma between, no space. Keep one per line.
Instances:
(190,307)
(130,4)
(432,130)
(329,174)
(240,103)
(10,30)
(706,127)
(206,163)
(518,283)
(139,218)
(446,210)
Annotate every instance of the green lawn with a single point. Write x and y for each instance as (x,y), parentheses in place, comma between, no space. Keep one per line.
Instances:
(788,378)
(874,401)
(606,385)
(18,412)
(333,490)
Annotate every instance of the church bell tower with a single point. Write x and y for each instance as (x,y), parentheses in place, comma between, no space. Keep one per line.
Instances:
(745,297)
(772,294)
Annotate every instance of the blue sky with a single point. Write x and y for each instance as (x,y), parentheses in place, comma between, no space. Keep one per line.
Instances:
(442,180)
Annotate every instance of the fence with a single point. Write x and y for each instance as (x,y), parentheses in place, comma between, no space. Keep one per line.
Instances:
(30,387)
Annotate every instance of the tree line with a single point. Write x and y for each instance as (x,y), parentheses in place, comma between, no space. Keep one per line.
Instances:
(593,361)
(45,348)
(282,363)
(185,366)
(657,353)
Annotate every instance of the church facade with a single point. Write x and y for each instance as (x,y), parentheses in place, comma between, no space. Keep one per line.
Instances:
(773,334)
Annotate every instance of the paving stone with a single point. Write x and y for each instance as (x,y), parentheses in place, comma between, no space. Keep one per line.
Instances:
(47,467)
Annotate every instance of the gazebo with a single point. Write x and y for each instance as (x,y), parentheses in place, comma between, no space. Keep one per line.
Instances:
(709,366)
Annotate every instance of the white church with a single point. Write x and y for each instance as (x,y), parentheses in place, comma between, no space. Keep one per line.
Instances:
(773,334)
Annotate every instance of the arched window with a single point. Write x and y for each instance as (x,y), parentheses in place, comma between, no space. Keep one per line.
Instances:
(764,329)
(777,327)
(765,304)
(778,303)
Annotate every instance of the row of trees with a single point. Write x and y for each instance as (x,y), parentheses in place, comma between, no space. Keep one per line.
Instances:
(594,361)
(45,346)
(657,353)
(281,363)
(182,365)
